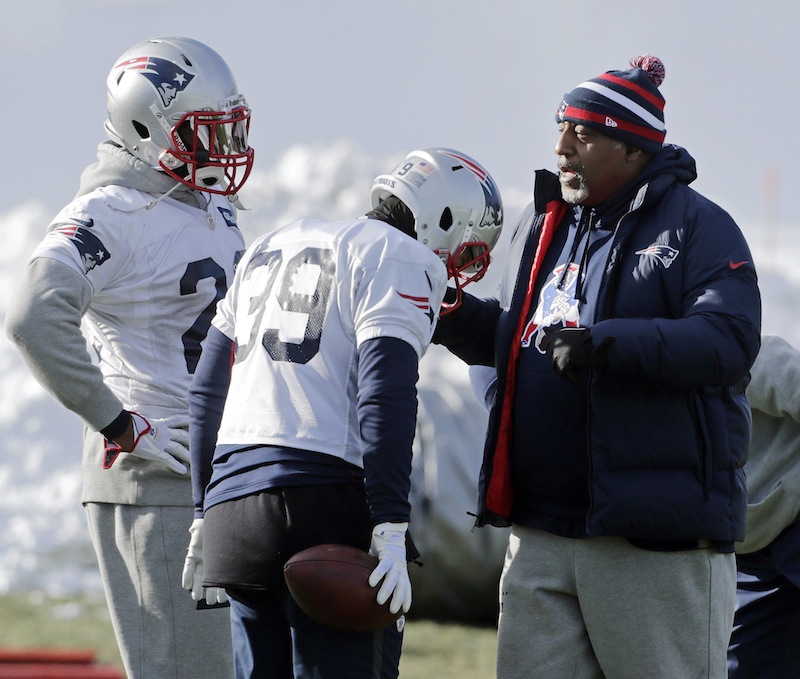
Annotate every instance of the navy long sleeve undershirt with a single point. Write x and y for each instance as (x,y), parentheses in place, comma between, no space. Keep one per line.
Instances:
(387,412)
(207,395)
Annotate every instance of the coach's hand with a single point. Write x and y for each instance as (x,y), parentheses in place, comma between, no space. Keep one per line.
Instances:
(152,441)
(572,350)
(192,578)
(389,545)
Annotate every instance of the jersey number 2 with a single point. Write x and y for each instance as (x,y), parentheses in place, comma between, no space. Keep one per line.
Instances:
(196,272)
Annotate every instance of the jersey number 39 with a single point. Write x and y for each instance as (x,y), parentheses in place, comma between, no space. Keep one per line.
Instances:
(297,301)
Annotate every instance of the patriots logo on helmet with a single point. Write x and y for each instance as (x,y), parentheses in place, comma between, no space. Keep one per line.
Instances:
(663,253)
(167,78)
(90,248)
(493,213)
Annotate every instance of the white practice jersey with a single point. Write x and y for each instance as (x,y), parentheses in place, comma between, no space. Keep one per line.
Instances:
(303,299)
(156,276)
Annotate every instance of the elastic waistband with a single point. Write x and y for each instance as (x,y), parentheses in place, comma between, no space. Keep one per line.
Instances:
(672,545)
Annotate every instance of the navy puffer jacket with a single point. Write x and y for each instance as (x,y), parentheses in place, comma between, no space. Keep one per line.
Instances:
(669,424)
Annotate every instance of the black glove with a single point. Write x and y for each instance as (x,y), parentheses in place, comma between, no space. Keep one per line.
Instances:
(571,350)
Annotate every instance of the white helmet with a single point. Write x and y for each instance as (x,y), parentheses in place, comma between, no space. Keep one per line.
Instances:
(173,103)
(457,208)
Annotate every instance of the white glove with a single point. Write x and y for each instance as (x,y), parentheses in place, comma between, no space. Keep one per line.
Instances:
(192,578)
(389,545)
(154,441)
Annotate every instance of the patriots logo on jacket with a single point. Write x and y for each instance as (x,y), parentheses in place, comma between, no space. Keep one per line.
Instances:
(168,78)
(90,248)
(557,307)
(663,253)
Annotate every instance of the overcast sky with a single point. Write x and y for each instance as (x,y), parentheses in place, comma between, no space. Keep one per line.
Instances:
(484,77)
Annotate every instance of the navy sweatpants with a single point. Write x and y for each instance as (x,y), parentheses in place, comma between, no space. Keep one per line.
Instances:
(765,643)
(274,639)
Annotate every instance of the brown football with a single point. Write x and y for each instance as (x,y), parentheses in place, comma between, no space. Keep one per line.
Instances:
(330,584)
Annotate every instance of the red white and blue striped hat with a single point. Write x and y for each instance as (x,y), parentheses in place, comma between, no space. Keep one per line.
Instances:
(624,105)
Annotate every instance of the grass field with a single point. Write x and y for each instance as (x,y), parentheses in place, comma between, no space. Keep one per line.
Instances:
(431,650)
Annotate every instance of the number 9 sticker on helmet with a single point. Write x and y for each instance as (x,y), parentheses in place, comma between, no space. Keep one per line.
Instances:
(456,205)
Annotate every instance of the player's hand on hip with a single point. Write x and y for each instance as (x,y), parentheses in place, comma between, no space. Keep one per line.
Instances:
(156,441)
(192,578)
(389,545)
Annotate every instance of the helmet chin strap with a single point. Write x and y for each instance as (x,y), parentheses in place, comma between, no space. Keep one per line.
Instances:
(155,202)
(152,203)
(203,173)
(469,228)
(167,160)
(218,175)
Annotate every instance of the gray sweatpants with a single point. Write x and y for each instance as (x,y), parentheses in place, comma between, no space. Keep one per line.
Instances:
(599,608)
(160,633)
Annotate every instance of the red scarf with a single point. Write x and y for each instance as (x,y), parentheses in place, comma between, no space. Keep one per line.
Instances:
(500,494)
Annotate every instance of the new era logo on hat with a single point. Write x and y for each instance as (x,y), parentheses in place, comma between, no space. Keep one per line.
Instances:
(625,105)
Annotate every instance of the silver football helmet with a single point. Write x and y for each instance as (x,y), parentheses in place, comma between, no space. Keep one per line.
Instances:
(457,209)
(174,104)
